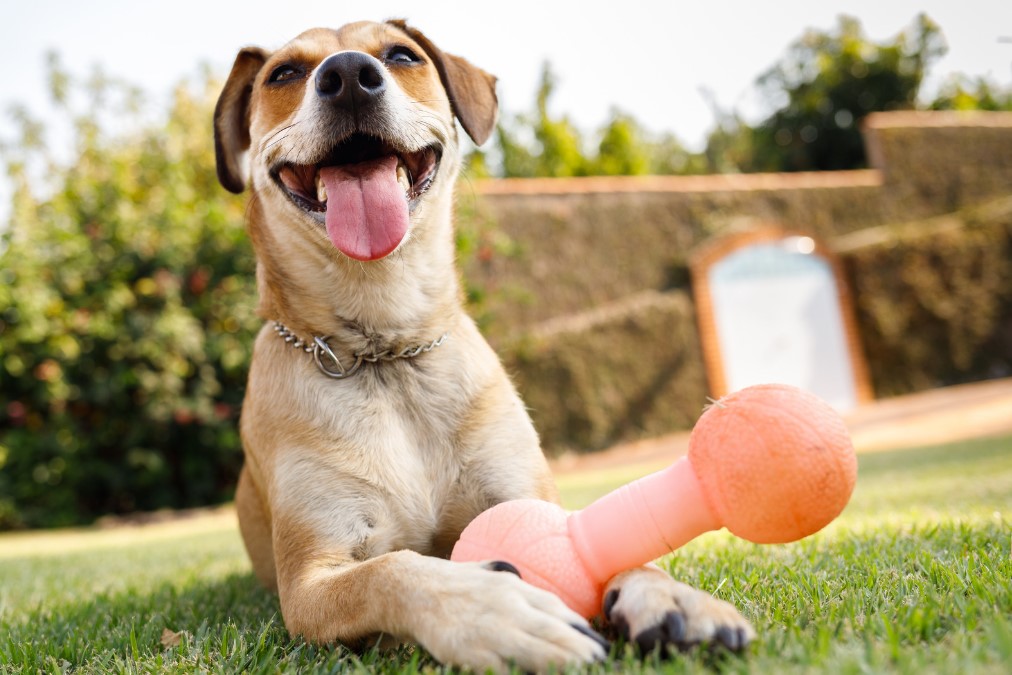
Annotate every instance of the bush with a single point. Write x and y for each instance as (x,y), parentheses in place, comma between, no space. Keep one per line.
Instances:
(126,318)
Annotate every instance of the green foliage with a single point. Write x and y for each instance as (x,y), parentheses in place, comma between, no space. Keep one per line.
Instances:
(126,313)
(961,92)
(541,145)
(558,139)
(827,83)
(622,151)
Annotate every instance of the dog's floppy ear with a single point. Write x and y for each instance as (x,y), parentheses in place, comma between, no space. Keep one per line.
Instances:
(471,89)
(231,118)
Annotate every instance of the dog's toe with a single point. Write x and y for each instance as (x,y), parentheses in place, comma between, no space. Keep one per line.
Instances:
(494,621)
(653,611)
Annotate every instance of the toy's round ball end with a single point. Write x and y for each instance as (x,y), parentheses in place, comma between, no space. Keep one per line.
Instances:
(533,536)
(776,463)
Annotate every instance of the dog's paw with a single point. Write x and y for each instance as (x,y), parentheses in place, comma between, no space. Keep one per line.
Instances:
(648,607)
(483,618)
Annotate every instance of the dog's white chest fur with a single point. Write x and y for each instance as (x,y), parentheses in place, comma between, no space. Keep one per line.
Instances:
(387,483)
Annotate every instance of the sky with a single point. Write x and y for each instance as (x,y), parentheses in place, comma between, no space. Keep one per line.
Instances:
(651,59)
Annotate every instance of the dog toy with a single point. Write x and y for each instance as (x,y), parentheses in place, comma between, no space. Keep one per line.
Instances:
(771,463)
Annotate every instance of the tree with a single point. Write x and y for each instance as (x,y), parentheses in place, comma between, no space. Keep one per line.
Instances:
(622,151)
(827,83)
(537,144)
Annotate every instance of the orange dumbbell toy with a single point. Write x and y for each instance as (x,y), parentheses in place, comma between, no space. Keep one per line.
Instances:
(771,463)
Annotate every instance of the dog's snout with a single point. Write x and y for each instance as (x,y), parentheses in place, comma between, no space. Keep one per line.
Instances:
(350,79)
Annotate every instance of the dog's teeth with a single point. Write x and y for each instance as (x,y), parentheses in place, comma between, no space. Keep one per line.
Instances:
(404,179)
(321,190)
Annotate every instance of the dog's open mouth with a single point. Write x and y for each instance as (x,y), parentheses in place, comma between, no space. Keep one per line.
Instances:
(364,191)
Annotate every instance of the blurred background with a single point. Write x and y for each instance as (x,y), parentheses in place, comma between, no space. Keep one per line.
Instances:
(126,281)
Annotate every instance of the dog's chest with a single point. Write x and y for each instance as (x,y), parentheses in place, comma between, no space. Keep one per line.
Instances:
(395,456)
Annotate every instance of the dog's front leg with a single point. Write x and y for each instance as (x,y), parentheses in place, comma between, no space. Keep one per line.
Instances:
(464,614)
(646,606)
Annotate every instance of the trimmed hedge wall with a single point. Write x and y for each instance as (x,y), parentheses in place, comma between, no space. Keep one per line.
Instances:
(569,245)
(573,252)
(933,301)
(623,371)
(584,281)
(939,162)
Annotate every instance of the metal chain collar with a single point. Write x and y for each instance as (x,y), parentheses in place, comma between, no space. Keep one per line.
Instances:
(331,366)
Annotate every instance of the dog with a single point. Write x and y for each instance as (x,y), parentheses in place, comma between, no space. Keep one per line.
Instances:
(377,422)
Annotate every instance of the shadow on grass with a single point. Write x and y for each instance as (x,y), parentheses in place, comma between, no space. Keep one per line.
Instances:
(106,628)
(227,625)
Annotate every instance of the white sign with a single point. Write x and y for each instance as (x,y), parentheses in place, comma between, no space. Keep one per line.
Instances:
(778,319)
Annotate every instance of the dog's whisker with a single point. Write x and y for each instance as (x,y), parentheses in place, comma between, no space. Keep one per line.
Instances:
(283,129)
(273,139)
(266,148)
(429,100)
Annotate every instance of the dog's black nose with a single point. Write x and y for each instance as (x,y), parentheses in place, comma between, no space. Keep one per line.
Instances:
(350,79)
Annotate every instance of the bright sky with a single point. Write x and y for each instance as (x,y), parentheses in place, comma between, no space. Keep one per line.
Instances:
(649,58)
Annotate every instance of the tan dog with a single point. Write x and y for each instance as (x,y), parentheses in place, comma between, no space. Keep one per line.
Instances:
(377,421)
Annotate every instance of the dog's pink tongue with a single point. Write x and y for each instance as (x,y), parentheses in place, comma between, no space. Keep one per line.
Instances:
(367,212)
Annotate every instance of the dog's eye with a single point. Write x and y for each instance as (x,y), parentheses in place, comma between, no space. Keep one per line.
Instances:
(401,54)
(285,73)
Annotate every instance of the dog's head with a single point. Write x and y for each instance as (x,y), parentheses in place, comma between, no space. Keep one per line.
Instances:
(350,132)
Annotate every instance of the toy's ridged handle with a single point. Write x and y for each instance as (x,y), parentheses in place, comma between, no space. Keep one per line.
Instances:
(641,521)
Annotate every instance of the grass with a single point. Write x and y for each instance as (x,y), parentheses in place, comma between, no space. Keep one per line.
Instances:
(914,577)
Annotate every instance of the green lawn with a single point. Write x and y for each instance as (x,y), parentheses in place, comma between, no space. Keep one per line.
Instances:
(914,577)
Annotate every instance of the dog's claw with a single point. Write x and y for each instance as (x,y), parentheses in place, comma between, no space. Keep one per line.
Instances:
(503,566)
(735,639)
(593,635)
(609,603)
(671,631)
(674,624)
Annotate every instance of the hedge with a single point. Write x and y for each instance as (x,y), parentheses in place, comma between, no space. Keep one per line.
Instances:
(934,306)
